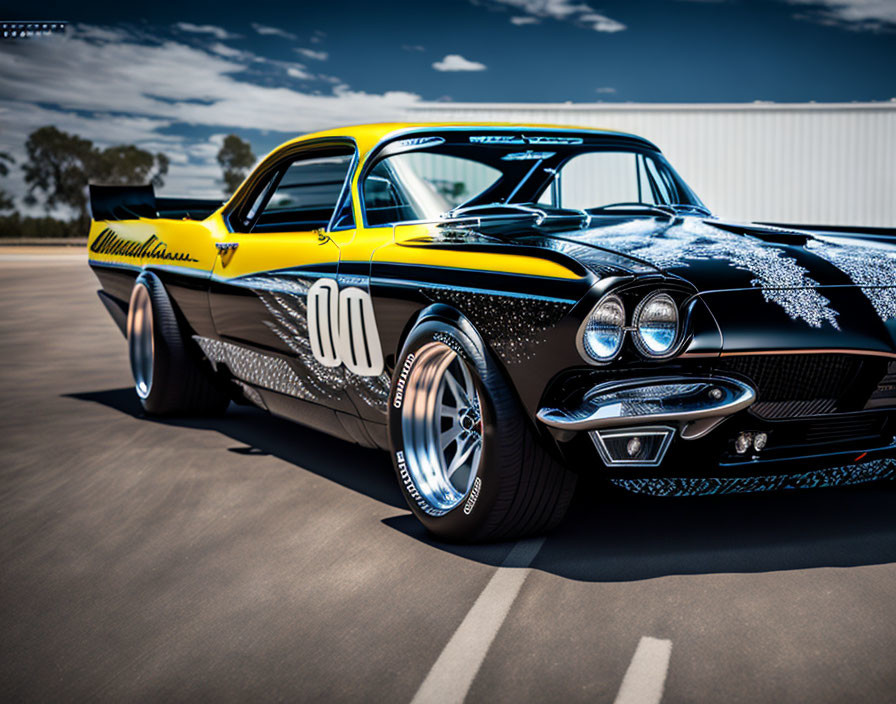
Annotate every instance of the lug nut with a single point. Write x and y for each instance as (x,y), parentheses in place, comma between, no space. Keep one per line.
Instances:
(760,441)
(634,447)
(743,442)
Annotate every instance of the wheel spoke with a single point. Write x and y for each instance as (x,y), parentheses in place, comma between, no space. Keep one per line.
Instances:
(469,388)
(459,395)
(450,435)
(470,443)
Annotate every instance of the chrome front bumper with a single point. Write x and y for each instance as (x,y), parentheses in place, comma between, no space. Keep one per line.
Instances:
(695,404)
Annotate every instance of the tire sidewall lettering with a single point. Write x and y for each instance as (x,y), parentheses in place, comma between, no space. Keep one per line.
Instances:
(402,379)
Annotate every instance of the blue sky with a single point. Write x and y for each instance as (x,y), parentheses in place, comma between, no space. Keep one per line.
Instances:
(174,78)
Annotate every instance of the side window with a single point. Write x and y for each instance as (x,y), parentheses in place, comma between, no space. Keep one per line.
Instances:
(596,179)
(600,178)
(305,195)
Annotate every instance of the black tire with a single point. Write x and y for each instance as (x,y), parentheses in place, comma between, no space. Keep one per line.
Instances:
(519,488)
(179,384)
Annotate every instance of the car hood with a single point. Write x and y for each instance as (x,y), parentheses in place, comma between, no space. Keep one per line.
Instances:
(752,275)
(716,255)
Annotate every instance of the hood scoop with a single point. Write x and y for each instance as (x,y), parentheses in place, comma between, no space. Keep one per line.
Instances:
(775,235)
(496,219)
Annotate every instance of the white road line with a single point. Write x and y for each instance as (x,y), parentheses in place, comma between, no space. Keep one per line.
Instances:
(452,674)
(646,675)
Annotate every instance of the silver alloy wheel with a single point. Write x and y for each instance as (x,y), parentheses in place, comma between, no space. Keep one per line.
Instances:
(441,423)
(141,344)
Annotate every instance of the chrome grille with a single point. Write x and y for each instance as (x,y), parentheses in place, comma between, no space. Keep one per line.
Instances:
(808,385)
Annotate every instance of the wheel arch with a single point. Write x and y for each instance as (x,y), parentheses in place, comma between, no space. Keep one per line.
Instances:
(447,314)
(148,275)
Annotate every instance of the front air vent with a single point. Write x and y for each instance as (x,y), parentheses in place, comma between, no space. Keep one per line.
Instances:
(884,395)
(843,428)
(806,385)
(794,409)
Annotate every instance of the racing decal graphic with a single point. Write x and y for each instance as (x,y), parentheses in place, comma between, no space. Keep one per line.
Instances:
(342,328)
(323,313)
(153,248)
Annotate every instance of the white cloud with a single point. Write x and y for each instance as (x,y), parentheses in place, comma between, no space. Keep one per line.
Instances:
(601,23)
(215,31)
(605,89)
(67,82)
(82,75)
(312,54)
(272,31)
(298,71)
(456,62)
(859,15)
(519,21)
(228,51)
(565,10)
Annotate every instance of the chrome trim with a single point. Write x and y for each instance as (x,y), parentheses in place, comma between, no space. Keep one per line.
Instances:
(696,429)
(597,437)
(820,350)
(441,462)
(651,400)
(141,340)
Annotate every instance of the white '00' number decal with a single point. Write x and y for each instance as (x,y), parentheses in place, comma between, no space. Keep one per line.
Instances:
(342,329)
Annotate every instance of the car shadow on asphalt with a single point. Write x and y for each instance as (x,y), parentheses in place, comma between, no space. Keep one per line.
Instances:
(363,470)
(609,535)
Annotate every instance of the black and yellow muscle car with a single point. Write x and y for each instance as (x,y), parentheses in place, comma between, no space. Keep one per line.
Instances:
(503,307)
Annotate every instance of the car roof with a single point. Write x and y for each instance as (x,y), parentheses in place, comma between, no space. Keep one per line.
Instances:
(367,136)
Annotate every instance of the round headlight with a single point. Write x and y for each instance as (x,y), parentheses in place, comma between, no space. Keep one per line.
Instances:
(656,325)
(604,330)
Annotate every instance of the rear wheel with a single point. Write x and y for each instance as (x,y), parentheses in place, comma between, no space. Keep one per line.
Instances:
(468,459)
(168,377)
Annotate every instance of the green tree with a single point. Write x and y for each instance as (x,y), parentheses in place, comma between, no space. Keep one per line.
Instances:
(235,158)
(57,168)
(128,165)
(6,201)
(60,165)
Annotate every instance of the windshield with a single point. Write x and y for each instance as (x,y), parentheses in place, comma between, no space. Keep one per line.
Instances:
(429,177)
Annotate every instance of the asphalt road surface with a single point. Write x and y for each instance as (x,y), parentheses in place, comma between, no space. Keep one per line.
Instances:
(245,558)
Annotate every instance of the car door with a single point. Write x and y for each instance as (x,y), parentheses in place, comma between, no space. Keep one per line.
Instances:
(284,239)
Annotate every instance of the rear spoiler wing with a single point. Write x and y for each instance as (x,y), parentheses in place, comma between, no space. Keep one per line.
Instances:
(131,202)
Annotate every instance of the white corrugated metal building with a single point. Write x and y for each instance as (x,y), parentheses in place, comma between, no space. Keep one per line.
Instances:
(809,163)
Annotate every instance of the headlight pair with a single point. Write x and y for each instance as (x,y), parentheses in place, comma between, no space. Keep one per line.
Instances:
(655,327)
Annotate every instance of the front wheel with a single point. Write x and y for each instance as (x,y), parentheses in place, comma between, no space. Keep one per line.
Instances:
(469,462)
